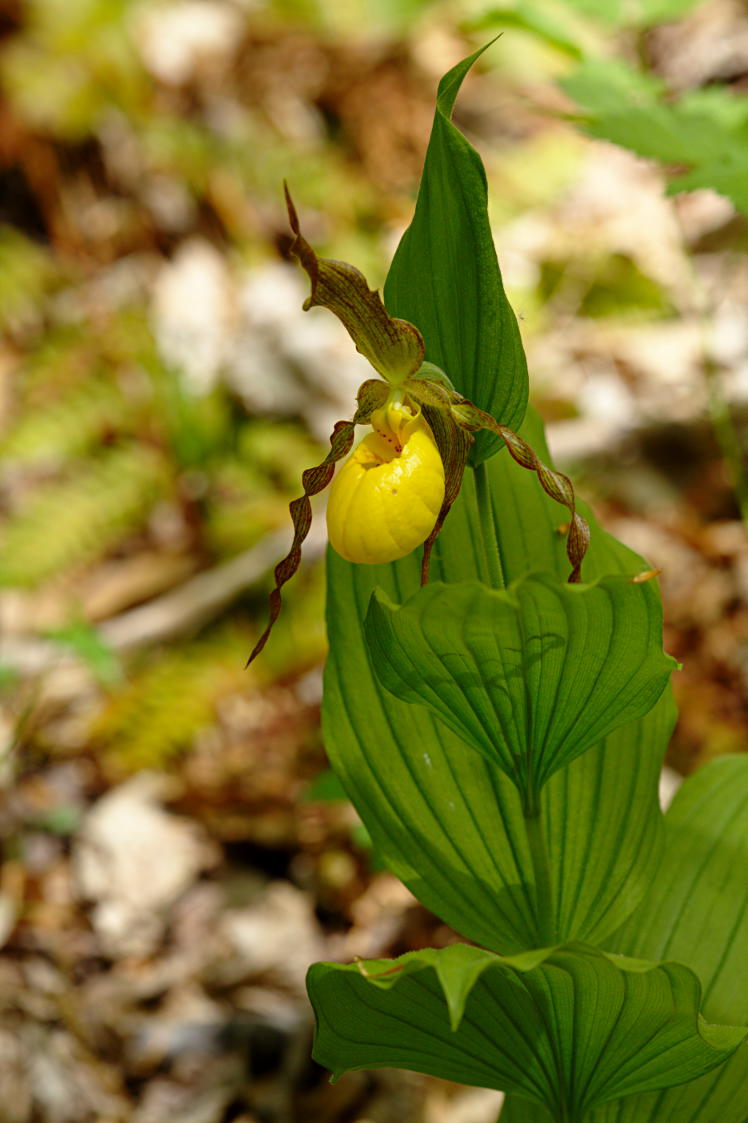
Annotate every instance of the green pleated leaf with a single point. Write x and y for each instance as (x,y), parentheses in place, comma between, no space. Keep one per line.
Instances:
(532,676)
(696,913)
(568,1029)
(442,817)
(445,278)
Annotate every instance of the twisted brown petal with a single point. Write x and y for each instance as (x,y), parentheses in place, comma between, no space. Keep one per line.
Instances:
(560,488)
(371,396)
(465,418)
(555,484)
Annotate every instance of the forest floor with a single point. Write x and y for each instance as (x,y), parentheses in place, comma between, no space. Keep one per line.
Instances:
(174,851)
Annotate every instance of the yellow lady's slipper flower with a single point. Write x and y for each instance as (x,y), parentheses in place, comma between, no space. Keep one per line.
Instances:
(395,490)
(386,498)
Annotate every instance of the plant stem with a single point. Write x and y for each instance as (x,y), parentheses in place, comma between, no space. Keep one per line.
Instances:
(488,528)
(544,910)
(727,437)
(562,1115)
(720,414)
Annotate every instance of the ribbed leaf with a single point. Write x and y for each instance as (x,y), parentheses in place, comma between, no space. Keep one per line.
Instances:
(569,1029)
(531,676)
(444,819)
(699,916)
(445,277)
(697,913)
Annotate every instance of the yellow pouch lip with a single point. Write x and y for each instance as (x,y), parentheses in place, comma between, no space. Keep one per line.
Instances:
(386,497)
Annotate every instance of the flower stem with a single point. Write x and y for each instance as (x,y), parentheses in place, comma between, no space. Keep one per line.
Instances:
(488,528)
(545,918)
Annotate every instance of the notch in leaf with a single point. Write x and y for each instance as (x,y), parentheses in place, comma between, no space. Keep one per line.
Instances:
(531,676)
(569,1028)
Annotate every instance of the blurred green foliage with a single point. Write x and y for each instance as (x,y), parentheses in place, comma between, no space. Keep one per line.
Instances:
(85,641)
(75,59)
(169,700)
(102,431)
(27,274)
(108,165)
(79,518)
(598,286)
(700,136)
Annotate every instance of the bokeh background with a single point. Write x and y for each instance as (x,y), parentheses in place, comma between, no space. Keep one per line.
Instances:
(174,851)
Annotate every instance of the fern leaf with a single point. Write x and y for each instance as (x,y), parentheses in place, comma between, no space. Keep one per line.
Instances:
(76,520)
(158,714)
(66,427)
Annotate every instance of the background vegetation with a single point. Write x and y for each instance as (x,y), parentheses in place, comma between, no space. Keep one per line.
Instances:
(174,852)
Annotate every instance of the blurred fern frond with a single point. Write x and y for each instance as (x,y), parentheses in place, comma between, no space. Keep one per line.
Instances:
(164,706)
(176,696)
(241,508)
(26,274)
(67,426)
(251,488)
(74,61)
(280,452)
(69,522)
(60,358)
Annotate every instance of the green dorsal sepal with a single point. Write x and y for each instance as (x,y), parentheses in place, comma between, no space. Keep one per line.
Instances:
(394,347)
